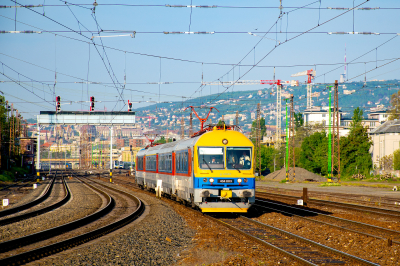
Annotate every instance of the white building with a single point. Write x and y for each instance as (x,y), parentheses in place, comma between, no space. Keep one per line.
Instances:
(318,115)
(379,113)
(385,139)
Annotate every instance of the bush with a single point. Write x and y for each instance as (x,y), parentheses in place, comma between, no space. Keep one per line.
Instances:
(396,159)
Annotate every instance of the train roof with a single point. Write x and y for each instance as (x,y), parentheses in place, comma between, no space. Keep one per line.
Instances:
(213,137)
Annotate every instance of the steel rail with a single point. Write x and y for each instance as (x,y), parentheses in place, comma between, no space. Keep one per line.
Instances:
(262,242)
(28,205)
(40,211)
(55,231)
(356,207)
(382,202)
(330,217)
(78,240)
(329,249)
(291,255)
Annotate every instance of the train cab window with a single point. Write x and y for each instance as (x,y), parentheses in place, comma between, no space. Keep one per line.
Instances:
(238,158)
(211,157)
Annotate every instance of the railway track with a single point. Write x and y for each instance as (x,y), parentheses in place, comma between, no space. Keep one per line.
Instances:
(347,206)
(37,253)
(43,210)
(298,248)
(31,204)
(372,201)
(303,250)
(391,236)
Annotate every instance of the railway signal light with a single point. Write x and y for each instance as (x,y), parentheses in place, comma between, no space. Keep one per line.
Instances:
(130,147)
(58,104)
(91,103)
(129,106)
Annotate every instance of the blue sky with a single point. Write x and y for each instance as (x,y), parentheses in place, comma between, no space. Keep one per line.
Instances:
(31,60)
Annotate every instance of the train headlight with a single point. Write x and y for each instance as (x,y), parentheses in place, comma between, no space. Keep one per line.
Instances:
(225,141)
(245,180)
(211,180)
(205,180)
(239,180)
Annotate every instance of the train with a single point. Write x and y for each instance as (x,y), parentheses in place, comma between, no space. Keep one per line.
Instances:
(213,170)
(121,165)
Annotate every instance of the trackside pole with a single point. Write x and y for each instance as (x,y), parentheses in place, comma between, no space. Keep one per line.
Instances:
(330,140)
(38,150)
(305,195)
(111,145)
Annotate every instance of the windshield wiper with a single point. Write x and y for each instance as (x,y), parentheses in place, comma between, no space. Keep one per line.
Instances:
(207,165)
(234,166)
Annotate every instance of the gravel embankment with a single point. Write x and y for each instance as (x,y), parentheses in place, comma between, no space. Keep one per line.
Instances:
(374,250)
(84,201)
(22,194)
(156,239)
(57,194)
(217,245)
(301,175)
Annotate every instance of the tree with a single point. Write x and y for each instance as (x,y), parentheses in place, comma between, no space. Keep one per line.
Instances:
(354,149)
(394,109)
(298,120)
(396,159)
(313,154)
(268,154)
(161,140)
(357,118)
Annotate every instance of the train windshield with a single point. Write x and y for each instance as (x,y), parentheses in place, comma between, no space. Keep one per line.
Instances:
(238,158)
(211,157)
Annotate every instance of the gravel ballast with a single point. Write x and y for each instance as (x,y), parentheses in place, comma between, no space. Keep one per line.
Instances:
(156,239)
(84,201)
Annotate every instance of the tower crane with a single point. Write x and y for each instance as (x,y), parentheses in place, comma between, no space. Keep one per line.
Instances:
(310,76)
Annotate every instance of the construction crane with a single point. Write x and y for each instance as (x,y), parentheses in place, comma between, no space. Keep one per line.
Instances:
(310,76)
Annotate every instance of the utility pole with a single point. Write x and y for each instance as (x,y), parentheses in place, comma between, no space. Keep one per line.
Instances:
(258,140)
(330,139)
(191,124)
(278,115)
(335,134)
(292,158)
(11,125)
(287,144)
(237,118)
(182,128)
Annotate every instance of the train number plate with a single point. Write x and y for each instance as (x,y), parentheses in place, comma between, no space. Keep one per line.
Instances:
(225,180)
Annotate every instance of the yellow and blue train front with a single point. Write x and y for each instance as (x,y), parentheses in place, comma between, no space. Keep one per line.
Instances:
(224,194)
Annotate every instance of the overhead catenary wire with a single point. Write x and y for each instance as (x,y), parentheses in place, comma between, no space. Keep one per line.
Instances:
(160,56)
(290,39)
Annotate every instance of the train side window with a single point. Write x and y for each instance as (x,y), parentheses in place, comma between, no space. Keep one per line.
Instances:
(185,156)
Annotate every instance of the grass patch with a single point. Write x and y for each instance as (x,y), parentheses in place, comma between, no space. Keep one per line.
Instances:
(9,175)
(367,185)
(330,184)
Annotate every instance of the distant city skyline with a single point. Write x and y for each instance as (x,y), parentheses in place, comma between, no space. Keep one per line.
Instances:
(142,58)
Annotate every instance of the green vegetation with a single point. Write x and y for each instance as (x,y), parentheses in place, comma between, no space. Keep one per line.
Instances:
(354,149)
(395,106)
(9,175)
(311,149)
(396,159)
(330,184)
